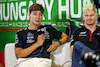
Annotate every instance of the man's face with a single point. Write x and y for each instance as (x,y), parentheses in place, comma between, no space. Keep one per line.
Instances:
(89,17)
(36,17)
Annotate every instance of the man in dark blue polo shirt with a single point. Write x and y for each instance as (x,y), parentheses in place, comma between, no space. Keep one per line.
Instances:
(85,39)
(36,41)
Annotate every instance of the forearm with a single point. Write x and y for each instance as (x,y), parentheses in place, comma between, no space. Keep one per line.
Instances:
(71,51)
(55,45)
(68,38)
(64,38)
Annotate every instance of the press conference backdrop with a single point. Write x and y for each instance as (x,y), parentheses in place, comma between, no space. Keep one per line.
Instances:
(14,16)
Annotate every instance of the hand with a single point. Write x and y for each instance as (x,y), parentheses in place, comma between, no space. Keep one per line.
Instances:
(53,47)
(40,39)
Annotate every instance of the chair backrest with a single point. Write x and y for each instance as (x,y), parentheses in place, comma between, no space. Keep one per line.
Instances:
(10,58)
(60,57)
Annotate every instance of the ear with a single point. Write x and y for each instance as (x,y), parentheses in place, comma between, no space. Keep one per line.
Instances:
(83,17)
(42,17)
(96,16)
(29,15)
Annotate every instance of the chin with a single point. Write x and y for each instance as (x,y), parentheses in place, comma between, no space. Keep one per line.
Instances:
(37,24)
(90,22)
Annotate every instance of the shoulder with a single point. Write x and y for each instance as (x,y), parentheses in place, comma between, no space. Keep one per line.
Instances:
(78,30)
(22,30)
(48,26)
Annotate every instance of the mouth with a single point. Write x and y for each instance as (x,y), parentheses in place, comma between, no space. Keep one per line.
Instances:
(37,20)
(89,20)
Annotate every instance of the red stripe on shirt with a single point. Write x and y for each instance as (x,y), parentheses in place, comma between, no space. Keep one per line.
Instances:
(90,36)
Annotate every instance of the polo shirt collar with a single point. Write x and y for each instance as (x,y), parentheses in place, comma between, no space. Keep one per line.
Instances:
(97,29)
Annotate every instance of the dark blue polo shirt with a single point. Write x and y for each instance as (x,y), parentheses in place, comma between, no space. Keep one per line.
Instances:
(25,38)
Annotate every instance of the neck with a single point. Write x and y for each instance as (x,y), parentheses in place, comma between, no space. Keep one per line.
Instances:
(33,27)
(92,28)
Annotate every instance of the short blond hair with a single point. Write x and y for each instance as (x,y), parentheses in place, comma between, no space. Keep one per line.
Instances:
(90,6)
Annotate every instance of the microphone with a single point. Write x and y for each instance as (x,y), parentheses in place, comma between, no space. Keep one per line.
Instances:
(44,30)
(41,30)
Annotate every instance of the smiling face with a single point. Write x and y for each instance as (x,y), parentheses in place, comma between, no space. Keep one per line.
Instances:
(89,17)
(35,17)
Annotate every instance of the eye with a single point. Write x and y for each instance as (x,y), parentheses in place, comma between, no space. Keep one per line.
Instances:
(86,15)
(92,14)
(40,14)
(34,13)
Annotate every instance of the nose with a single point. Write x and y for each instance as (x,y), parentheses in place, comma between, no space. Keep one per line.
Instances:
(89,17)
(38,16)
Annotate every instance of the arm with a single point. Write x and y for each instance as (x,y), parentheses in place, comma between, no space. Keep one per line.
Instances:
(25,52)
(68,38)
(71,51)
(64,38)
(73,40)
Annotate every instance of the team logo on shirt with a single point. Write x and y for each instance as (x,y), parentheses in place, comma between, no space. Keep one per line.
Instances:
(97,33)
(16,38)
(30,37)
(82,34)
(46,34)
